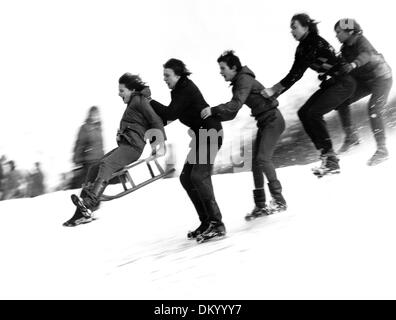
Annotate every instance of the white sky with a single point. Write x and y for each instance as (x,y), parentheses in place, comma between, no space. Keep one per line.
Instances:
(58,58)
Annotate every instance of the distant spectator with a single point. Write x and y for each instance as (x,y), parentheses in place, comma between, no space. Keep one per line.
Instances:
(36,182)
(64,182)
(13,182)
(88,147)
(2,161)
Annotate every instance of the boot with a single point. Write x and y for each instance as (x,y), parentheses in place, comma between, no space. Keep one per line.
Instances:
(215,230)
(329,165)
(201,210)
(92,198)
(260,207)
(89,199)
(77,219)
(278,202)
(379,156)
(194,234)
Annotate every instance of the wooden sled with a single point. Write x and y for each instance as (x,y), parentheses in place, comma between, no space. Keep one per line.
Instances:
(126,179)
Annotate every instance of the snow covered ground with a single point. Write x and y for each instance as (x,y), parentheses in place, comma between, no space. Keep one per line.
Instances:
(336,241)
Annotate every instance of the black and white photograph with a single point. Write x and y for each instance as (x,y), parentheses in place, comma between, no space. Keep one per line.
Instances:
(197,150)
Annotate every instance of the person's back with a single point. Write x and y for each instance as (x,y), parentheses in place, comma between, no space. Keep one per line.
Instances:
(370,63)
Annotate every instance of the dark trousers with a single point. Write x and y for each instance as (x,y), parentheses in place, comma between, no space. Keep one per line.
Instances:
(112,162)
(196,179)
(379,90)
(80,174)
(323,101)
(101,172)
(267,137)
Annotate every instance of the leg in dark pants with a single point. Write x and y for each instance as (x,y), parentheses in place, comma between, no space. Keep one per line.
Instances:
(380,89)
(192,191)
(268,136)
(196,179)
(344,112)
(322,102)
(111,162)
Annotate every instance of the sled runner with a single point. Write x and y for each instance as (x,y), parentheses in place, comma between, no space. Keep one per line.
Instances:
(126,179)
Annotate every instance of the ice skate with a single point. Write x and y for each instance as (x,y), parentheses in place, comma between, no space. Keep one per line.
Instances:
(257,212)
(214,231)
(276,207)
(194,234)
(328,166)
(379,156)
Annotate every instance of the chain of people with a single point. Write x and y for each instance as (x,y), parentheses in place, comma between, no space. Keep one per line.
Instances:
(357,71)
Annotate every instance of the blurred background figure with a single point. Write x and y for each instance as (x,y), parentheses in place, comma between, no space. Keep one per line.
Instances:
(36,181)
(88,148)
(64,183)
(14,185)
(3,159)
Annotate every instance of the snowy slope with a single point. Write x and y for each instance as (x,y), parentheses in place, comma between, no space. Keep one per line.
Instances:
(337,240)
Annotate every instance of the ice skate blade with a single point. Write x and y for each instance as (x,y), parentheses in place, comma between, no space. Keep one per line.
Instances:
(376,163)
(251,218)
(327,173)
(77,222)
(201,239)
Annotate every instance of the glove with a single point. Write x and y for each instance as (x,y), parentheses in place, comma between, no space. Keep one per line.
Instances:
(268,92)
(348,67)
(118,137)
(205,113)
(146,92)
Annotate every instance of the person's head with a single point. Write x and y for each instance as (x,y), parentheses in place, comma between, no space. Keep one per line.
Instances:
(128,84)
(93,114)
(346,28)
(174,69)
(301,24)
(229,65)
(12,165)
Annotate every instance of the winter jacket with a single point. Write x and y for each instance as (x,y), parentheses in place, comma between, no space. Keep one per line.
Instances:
(186,105)
(89,143)
(312,52)
(137,119)
(245,90)
(370,64)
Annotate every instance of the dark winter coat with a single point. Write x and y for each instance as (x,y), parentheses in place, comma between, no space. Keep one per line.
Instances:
(137,119)
(312,52)
(245,90)
(89,143)
(186,105)
(370,64)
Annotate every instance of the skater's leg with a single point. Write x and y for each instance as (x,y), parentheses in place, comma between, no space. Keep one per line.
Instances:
(376,108)
(303,115)
(110,163)
(268,136)
(344,113)
(192,192)
(330,99)
(201,178)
